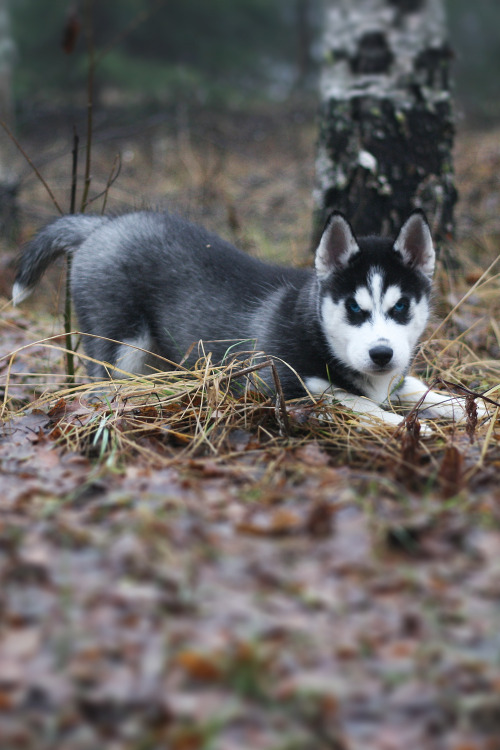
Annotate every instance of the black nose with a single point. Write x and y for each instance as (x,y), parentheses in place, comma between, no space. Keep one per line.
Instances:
(381,355)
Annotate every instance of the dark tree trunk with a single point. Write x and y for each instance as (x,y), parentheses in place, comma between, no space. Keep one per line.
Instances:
(9,178)
(386,119)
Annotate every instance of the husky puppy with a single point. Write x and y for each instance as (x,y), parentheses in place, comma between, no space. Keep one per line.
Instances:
(150,283)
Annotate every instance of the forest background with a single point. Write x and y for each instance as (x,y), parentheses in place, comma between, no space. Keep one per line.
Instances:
(181,569)
(217,52)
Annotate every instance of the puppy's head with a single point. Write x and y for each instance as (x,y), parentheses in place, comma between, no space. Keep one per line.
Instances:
(374,293)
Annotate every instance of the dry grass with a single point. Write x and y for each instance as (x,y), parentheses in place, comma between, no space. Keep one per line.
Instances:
(217,410)
(179,414)
(206,552)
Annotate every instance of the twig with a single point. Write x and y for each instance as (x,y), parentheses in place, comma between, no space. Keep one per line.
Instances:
(70,355)
(245,371)
(483,280)
(113,176)
(280,408)
(89,30)
(74,172)
(466,391)
(35,170)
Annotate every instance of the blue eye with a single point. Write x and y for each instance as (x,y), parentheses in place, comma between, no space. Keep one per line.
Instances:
(401,305)
(353,306)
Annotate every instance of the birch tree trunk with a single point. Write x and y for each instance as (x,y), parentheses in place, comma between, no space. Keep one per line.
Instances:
(9,160)
(386,119)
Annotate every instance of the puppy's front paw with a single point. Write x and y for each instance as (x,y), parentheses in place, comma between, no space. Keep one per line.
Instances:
(426,430)
(394,420)
(451,407)
(448,408)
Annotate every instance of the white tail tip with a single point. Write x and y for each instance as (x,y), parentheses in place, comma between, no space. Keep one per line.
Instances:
(20,293)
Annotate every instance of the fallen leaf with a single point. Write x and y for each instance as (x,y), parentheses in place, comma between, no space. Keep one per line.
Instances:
(201,666)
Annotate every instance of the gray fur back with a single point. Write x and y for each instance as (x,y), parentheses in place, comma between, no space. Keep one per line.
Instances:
(148,286)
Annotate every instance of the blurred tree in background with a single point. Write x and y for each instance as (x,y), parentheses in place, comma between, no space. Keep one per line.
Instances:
(9,182)
(180,48)
(386,116)
(475,34)
(161,53)
(217,51)
(7,57)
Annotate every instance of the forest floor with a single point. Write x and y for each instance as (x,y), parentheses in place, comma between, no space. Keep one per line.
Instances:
(179,568)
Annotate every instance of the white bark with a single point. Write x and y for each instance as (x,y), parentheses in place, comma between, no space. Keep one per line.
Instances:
(407,36)
(386,115)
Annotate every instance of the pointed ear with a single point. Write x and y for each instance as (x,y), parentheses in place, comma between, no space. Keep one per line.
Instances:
(414,243)
(336,247)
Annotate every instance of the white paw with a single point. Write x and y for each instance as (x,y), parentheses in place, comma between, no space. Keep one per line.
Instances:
(367,420)
(453,408)
(426,430)
(374,418)
(447,409)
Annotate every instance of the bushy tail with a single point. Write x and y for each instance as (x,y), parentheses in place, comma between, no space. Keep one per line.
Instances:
(63,235)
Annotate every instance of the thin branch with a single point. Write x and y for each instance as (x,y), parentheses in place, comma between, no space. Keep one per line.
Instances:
(74,172)
(70,354)
(89,30)
(113,176)
(35,170)
(280,408)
